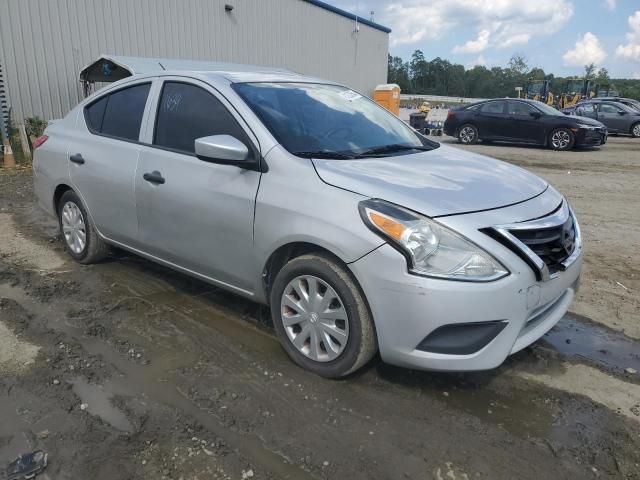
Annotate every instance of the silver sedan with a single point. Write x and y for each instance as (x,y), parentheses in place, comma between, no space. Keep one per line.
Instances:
(362,235)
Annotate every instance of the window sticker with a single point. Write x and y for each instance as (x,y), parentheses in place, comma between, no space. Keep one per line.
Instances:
(350,95)
(172,103)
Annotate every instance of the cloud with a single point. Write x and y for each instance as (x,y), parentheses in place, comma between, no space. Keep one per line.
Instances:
(474,46)
(496,23)
(478,62)
(611,4)
(631,50)
(586,50)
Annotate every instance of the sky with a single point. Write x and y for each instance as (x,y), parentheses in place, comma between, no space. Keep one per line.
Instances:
(560,36)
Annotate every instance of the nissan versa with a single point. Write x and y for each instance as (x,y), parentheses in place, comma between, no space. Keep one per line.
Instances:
(361,234)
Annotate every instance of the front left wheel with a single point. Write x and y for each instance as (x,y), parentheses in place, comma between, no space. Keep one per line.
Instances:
(562,139)
(321,317)
(635,130)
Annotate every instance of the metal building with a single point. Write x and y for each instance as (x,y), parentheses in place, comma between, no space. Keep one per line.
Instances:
(45,43)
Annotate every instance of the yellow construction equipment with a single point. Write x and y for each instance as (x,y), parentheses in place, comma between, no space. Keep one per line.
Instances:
(539,90)
(575,90)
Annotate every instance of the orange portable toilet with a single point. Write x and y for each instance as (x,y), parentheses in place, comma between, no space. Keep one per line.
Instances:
(388,96)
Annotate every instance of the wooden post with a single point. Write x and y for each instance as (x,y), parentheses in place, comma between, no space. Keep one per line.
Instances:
(9,161)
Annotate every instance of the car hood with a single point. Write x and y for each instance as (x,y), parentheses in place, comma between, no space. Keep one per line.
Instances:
(586,120)
(444,181)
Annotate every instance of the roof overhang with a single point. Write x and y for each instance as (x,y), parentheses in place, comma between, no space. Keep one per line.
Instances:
(111,68)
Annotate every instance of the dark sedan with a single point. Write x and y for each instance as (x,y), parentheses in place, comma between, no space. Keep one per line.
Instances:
(522,121)
(618,118)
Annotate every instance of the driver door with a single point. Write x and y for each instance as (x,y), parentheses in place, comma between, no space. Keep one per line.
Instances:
(192,213)
(612,116)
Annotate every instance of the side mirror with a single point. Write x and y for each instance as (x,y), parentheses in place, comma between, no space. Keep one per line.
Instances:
(535,115)
(621,112)
(223,149)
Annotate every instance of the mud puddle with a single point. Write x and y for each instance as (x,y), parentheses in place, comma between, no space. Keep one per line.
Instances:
(578,338)
(98,401)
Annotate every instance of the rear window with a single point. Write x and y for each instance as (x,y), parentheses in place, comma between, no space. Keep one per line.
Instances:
(492,107)
(119,114)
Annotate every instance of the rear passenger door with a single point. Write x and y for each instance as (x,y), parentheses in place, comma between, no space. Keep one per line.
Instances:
(491,120)
(103,159)
(196,214)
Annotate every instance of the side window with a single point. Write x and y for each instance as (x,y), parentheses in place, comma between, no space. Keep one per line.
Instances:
(493,107)
(119,114)
(187,112)
(520,108)
(608,108)
(586,109)
(94,114)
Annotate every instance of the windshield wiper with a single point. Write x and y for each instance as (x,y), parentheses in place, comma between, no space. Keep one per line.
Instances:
(325,154)
(394,147)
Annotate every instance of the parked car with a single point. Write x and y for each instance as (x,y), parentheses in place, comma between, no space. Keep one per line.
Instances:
(522,121)
(618,117)
(629,102)
(361,234)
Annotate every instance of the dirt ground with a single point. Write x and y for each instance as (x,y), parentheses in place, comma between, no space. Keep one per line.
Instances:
(129,370)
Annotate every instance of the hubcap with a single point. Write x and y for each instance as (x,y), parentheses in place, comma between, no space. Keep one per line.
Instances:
(314,317)
(636,131)
(560,139)
(467,134)
(73,228)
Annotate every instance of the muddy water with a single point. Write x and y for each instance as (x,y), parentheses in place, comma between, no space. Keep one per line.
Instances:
(576,337)
(98,401)
(151,381)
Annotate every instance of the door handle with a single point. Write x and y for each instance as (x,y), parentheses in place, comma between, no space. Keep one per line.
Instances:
(77,158)
(154,177)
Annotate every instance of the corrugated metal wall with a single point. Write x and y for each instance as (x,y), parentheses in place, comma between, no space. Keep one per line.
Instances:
(44,43)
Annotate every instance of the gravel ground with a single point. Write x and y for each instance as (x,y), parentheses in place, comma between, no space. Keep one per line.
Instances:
(128,370)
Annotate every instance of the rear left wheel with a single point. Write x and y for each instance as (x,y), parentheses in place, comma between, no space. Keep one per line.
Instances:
(80,237)
(635,130)
(321,317)
(468,134)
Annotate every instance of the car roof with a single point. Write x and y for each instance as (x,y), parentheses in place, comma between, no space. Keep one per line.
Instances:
(233,76)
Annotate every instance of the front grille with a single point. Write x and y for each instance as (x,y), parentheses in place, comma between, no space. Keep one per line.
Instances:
(547,244)
(553,245)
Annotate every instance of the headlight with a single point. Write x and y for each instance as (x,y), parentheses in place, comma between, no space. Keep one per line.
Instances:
(431,249)
(587,127)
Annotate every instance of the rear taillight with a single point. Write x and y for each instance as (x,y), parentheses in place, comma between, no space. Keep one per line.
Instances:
(38,142)
(451,114)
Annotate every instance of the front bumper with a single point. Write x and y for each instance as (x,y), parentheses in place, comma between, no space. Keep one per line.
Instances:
(407,308)
(591,137)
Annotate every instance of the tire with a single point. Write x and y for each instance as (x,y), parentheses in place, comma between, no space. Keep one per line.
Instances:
(635,130)
(74,224)
(562,139)
(468,134)
(346,338)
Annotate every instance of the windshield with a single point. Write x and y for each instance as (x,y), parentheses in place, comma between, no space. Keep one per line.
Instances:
(546,109)
(331,121)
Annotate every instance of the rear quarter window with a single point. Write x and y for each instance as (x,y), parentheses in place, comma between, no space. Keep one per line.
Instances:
(119,114)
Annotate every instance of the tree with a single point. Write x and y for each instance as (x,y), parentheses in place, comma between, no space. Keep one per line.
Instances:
(589,70)
(602,75)
(518,64)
